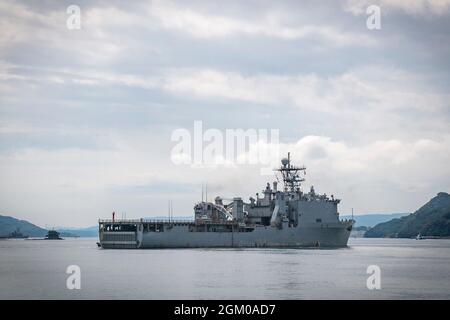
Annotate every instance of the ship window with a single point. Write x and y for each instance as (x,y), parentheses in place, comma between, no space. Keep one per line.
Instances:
(318,220)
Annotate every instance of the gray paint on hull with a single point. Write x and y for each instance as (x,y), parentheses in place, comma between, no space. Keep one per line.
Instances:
(306,236)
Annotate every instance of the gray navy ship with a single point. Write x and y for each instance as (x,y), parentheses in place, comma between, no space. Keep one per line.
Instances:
(278,219)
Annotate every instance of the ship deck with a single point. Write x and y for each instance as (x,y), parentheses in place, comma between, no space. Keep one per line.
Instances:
(165,222)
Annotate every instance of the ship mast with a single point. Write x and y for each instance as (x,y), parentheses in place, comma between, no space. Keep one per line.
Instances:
(291,175)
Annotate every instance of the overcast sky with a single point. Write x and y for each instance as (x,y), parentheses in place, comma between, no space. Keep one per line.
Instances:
(86,116)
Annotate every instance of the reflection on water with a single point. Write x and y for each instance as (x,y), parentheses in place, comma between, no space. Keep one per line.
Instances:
(410,269)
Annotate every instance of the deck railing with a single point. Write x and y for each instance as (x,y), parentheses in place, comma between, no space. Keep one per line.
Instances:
(132,221)
(128,221)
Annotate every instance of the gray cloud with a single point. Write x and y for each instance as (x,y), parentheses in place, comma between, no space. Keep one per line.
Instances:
(86,115)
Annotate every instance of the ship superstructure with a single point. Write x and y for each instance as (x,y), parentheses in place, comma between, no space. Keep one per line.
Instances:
(278,218)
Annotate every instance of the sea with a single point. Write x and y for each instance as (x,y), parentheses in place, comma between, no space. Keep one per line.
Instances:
(405,269)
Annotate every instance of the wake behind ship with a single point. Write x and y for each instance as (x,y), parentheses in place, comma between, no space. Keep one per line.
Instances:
(287,218)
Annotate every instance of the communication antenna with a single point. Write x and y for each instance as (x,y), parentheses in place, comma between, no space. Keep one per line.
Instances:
(290,175)
(352,213)
(202,191)
(206,193)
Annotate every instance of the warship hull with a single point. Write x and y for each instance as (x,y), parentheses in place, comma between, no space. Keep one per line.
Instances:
(180,236)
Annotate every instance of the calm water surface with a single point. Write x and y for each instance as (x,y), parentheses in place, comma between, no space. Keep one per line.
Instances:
(410,269)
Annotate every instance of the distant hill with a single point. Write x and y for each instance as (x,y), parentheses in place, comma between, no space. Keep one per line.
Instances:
(370,220)
(10,224)
(432,219)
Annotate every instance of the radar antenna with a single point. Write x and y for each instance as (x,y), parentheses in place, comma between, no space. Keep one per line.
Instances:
(291,175)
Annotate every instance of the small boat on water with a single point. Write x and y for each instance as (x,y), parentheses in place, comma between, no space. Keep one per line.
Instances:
(53,235)
(419,237)
(15,235)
